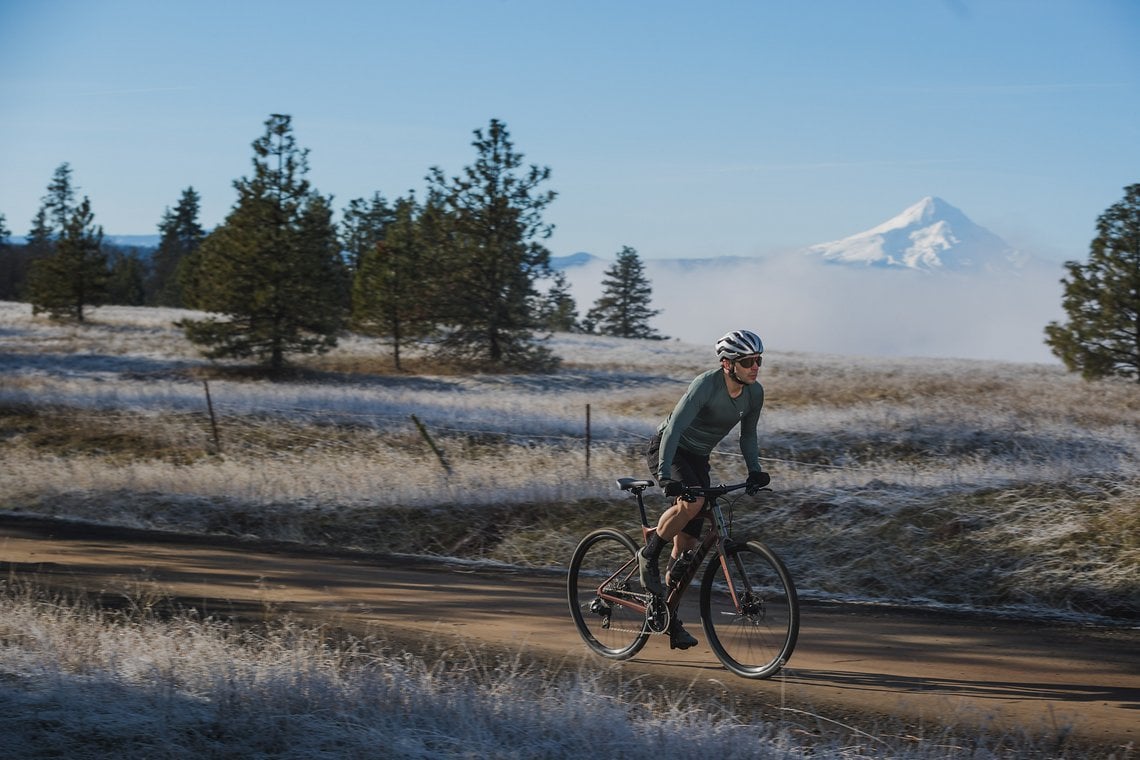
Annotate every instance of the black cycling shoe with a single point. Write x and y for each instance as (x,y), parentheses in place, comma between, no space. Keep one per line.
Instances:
(679,638)
(650,573)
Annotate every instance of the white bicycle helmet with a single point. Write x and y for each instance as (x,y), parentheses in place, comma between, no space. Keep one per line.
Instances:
(739,343)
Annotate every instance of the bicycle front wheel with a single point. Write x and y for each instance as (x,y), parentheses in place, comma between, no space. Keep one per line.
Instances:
(749,610)
(603,573)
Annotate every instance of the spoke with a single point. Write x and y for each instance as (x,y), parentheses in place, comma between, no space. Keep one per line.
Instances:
(599,588)
(752,616)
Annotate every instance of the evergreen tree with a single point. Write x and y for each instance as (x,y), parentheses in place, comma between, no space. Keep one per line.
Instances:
(11,269)
(435,284)
(273,268)
(623,308)
(41,237)
(557,311)
(39,244)
(363,226)
(59,203)
(57,207)
(181,237)
(388,296)
(494,255)
(75,275)
(1102,299)
(325,300)
(126,282)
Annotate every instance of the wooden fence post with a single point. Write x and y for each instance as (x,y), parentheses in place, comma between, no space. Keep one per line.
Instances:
(438,453)
(587,441)
(213,419)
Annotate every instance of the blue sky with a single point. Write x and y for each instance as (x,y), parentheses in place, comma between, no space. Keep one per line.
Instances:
(683,129)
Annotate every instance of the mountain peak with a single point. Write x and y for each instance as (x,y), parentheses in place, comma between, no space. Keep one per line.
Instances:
(923,212)
(930,235)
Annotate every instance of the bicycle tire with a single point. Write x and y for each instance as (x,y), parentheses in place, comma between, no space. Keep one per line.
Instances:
(755,636)
(608,629)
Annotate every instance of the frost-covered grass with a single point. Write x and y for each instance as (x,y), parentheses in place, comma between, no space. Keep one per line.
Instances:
(80,682)
(1010,487)
(83,684)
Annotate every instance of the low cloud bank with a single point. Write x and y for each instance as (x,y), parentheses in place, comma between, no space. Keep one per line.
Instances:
(801,304)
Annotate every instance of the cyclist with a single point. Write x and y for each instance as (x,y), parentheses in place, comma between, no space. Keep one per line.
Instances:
(678,455)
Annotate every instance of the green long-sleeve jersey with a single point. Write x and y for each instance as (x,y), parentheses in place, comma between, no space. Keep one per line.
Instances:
(705,415)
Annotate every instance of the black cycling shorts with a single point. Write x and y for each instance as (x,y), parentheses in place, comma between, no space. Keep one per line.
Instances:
(687,467)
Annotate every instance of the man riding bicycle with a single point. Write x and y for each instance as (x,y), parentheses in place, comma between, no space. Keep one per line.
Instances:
(678,455)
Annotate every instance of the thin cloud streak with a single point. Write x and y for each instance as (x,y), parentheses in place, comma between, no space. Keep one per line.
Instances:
(1044,88)
(872,163)
(140,91)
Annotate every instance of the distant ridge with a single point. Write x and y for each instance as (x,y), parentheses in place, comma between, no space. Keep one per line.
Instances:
(930,236)
(138,241)
(573,260)
(127,241)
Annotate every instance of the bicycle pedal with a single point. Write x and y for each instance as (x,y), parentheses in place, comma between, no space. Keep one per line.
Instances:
(679,638)
(682,644)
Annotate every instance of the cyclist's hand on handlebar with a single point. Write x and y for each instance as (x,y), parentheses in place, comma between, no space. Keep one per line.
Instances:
(672,488)
(757,480)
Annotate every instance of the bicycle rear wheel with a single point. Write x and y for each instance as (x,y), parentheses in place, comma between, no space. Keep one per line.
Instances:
(752,617)
(605,563)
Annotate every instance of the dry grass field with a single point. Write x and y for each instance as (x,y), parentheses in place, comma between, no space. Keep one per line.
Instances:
(1010,487)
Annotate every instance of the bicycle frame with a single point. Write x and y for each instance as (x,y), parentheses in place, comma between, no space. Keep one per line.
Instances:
(717,536)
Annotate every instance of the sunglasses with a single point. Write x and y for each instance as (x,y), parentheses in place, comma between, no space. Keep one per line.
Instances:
(749,362)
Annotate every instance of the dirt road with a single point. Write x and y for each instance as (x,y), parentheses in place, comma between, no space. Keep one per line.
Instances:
(861,666)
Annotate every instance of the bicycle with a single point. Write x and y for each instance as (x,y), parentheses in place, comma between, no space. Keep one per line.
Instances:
(748,604)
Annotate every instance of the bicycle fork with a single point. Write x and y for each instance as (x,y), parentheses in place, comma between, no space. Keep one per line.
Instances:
(744,600)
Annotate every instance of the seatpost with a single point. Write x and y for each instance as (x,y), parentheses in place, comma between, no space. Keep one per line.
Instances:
(641,508)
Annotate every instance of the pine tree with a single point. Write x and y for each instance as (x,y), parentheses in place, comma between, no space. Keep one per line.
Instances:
(181,237)
(436,282)
(389,294)
(126,283)
(56,206)
(10,265)
(273,268)
(557,310)
(38,244)
(75,274)
(41,237)
(59,203)
(324,287)
(1102,299)
(623,308)
(364,225)
(494,254)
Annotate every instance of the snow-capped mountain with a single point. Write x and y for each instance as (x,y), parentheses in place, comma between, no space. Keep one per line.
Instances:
(931,235)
